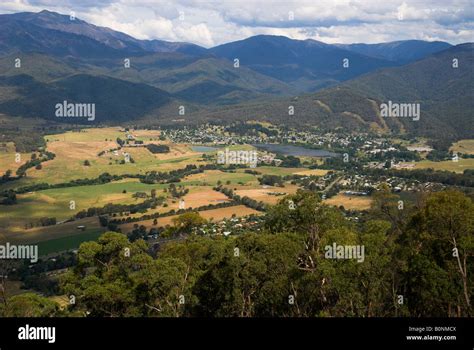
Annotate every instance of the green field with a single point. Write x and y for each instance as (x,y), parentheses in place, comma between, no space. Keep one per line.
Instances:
(31,207)
(86,135)
(20,235)
(21,222)
(449,165)
(213,176)
(55,202)
(66,243)
(72,149)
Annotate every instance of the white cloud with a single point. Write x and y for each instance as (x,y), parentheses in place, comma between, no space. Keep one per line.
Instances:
(199,33)
(213,22)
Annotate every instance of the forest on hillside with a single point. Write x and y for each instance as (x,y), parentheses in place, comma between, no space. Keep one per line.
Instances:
(418,261)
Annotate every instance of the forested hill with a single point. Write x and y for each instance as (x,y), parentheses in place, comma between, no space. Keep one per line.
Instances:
(407,267)
(445,94)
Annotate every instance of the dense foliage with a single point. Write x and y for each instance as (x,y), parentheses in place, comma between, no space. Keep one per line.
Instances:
(418,262)
(157,148)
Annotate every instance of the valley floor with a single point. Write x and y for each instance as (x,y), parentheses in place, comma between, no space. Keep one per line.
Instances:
(101,149)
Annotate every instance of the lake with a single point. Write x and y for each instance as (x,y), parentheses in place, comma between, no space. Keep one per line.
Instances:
(290,150)
(197,148)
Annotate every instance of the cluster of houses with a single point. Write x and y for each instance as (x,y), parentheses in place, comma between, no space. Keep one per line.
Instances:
(119,153)
(204,134)
(268,158)
(364,184)
(231,226)
(218,135)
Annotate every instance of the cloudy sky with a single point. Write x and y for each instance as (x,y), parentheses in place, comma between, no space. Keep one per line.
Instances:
(213,22)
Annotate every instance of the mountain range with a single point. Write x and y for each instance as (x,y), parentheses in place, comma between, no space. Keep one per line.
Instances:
(445,95)
(335,85)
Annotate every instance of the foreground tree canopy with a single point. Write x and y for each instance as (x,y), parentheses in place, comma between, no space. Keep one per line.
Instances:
(415,263)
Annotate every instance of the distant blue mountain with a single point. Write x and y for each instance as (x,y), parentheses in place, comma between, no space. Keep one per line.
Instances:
(294,65)
(307,65)
(310,65)
(398,51)
(83,56)
(52,21)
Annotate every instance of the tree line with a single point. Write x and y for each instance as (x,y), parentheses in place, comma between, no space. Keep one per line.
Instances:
(418,261)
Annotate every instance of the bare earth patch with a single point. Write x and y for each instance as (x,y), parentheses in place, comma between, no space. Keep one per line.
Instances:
(79,150)
(204,175)
(201,198)
(350,202)
(269,195)
(316,172)
(213,214)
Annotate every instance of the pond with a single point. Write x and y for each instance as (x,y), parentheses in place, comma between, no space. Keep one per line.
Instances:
(198,148)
